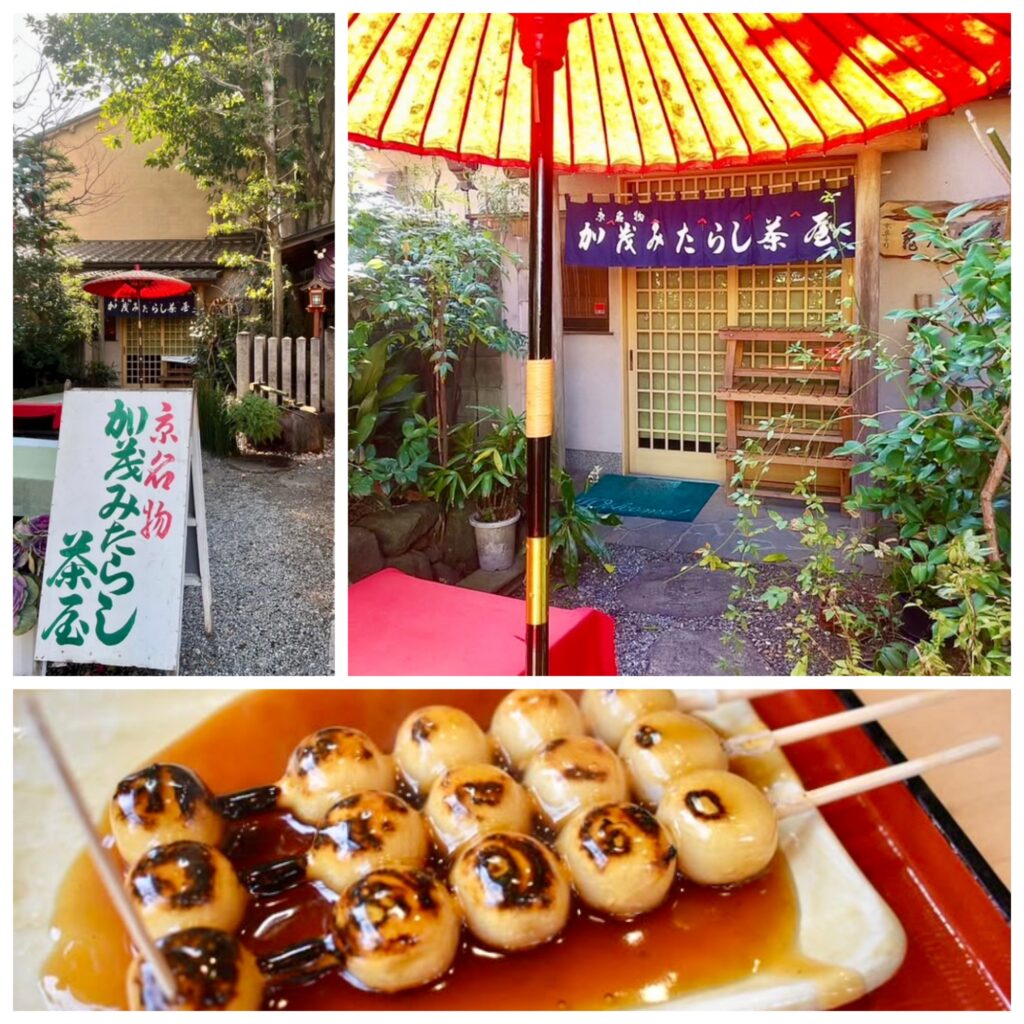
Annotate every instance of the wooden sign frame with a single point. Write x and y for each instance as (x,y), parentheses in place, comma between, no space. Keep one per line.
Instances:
(193,560)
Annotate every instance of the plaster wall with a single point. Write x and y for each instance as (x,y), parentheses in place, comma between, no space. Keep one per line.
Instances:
(952,169)
(125,199)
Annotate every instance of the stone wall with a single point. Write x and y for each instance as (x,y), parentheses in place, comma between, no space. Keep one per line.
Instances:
(414,539)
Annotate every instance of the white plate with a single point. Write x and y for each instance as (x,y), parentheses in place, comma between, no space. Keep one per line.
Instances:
(852,936)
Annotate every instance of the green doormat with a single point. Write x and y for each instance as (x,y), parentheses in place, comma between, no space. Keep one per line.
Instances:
(651,497)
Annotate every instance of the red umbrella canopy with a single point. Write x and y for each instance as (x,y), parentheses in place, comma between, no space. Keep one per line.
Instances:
(137,284)
(663,92)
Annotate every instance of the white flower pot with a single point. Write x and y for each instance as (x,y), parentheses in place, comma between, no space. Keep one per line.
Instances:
(24,654)
(495,542)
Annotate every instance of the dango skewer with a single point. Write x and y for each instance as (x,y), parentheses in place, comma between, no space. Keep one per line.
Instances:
(359,834)
(163,977)
(571,773)
(436,739)
(608,714)
(525,721)
(473,800)
(725,829)
(663,745)
(163,803)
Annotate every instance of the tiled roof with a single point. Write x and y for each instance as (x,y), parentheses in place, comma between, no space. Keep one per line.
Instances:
(185,273)
(171,254)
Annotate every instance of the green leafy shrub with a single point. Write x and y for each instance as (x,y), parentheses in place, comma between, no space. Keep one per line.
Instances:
(937,479)
(427,280)
(496,466)
(382,402)
(98,374)
(574,531)
(256,418)
(216,430)
(398,475)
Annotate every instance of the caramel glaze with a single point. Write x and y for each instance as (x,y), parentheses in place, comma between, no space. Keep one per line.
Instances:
(697,939)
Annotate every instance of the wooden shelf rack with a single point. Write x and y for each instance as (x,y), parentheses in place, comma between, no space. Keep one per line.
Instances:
(763,375)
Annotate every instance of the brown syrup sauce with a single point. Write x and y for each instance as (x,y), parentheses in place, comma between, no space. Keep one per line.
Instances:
(698,939)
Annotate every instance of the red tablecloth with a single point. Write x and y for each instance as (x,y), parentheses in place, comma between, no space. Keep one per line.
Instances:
(35,411)
(402,626)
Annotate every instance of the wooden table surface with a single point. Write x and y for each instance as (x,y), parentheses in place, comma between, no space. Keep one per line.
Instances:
(976,792)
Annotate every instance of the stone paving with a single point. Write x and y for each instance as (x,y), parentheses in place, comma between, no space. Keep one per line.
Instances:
(685,609)
(715,524)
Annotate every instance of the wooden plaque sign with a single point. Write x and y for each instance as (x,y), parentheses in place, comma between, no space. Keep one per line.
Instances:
(126,495)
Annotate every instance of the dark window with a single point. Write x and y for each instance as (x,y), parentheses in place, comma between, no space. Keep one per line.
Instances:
(109,328)
(584,296)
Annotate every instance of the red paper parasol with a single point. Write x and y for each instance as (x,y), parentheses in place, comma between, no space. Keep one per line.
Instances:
(136,285)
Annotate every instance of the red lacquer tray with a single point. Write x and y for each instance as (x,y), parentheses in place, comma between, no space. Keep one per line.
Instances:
(952,907)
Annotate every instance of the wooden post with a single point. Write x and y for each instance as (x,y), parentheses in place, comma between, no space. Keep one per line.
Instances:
(314,373)
(287,362)
(329,371)
(866,274)
(259,374)
(864,378)
(274,366)
(243,362)
(301,375)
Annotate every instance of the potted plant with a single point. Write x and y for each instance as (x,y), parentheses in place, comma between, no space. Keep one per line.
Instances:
(29,551)
(495,470)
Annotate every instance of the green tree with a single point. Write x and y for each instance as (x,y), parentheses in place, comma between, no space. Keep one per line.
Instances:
(427,279)
(242,102)
(53,317)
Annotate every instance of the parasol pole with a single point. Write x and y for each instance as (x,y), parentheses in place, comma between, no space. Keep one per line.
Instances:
(539,366)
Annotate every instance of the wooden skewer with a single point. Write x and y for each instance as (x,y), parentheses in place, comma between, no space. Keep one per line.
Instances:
(109,875)
(886,776)
(760,742)
(706,700)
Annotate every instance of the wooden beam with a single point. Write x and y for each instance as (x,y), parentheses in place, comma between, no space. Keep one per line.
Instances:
(895,142)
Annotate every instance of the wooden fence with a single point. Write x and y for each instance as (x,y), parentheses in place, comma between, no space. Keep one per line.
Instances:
(303,368)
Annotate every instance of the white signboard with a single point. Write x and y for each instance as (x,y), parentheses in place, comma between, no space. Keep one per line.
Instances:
(115,556)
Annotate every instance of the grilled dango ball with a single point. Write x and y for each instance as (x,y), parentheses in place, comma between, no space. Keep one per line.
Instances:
(569,774)
(212,971)
(330,765)
(363,833)
(608,714)
(396,929)
(724,828)
(664,745)
(526,720)
(621,859)
(473,800)
(513,890)
(186,885)
(162,804)
(433,740)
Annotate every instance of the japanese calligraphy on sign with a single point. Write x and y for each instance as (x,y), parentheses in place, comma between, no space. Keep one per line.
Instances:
(180,305)
(748,230)
(112,582)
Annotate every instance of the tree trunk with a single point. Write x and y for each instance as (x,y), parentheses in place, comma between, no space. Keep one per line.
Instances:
(988,493)
(440,386)
(273,226)
(277,279)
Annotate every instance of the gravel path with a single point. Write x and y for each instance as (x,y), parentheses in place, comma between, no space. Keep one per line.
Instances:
(271,529)
(637,632)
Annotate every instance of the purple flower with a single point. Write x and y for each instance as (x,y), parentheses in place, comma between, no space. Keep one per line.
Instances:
(20,595)
(31,534)
(20,556)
